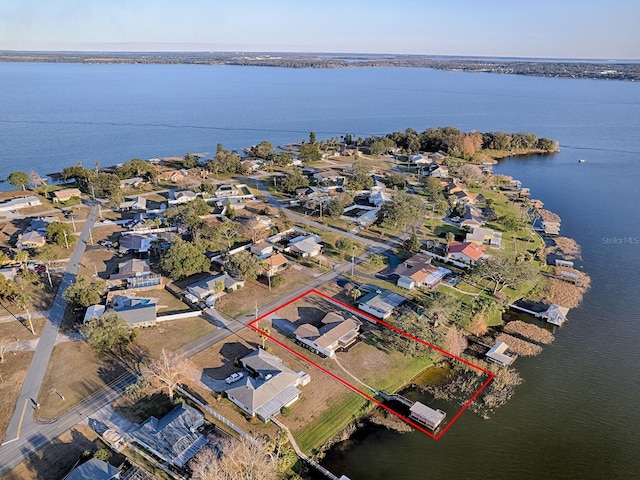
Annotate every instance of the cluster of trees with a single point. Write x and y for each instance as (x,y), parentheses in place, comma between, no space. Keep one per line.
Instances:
(224,161)
(184,258)
(137,168)
(457,143)
(85,291)
(400,210)
(101,184)
(60,234)
(292,180)
(360,176)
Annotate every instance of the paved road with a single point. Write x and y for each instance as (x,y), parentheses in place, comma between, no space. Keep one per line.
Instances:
(22,421)
(34,437)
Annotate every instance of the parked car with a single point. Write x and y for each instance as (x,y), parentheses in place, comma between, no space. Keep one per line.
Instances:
(234,377)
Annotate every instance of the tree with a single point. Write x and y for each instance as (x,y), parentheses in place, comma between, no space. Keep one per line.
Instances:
(255,229)
(188,214)
(294,179)
(454,341)
(412,244)
(18,179)
(189,161)
(228,231)
(441,309)
(381,145)
(312,137)
(23,301)
(47,254)
(244,265)
(244,459)
(504,272)
(344,245)
(309,152)
(432,189)
(355,294)
(225,162)
(109,334)
(183,259)
(361,178)
(167,371)
(4,348)
(335,208)
(263,150)
(396,181)
(400,210)
(470,174)
(7,287)
(85,292)
(60,234)
(284,218)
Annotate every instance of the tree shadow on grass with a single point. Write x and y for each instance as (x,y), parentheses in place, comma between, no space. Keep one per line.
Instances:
(137,411)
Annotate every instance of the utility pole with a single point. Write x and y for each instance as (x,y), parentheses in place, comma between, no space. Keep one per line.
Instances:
(30,322)
(66,242)
(353,259)
(49,276)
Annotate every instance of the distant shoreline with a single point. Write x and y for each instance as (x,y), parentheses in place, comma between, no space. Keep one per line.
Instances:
(562,68)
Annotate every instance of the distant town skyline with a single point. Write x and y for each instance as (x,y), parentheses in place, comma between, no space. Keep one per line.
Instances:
(547,29)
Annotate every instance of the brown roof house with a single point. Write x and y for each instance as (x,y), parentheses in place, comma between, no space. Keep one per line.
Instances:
(274,264)
(268,388)
(418,271)
(465,252)
(66,194)
(335,333)
(32,239)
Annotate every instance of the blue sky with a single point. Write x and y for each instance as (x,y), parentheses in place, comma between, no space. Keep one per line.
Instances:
(541,28)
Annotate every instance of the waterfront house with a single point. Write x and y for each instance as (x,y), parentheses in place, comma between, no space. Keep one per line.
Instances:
(555,314)
(465,252)
(472,218)
(66,194)
(380,303)
(497,354)
(171,176)
(94,469)
(19,202)
(426,415)
(336,332)
(418,271)
(174,438)
(268,388)
(484,236)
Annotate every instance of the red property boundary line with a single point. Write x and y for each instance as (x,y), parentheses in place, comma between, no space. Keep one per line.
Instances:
(357,390)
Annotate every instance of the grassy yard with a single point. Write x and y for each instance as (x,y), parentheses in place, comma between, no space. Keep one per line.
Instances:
(12,374)
(323,428)
(173,334)
(242,301)
(59,456)
(75,372)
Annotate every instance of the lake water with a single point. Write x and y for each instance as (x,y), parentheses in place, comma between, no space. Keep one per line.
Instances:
(577,415)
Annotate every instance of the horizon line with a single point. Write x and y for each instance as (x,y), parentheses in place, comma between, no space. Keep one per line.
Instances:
(310,53)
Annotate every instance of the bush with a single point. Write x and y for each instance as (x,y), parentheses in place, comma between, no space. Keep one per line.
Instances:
(277,281)
(285,411)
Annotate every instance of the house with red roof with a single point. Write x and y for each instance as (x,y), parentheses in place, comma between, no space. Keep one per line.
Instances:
(465,252)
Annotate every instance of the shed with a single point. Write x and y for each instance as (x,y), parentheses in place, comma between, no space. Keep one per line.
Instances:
(497,355)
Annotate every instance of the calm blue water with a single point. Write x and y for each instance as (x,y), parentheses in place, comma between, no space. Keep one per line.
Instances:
(577,415)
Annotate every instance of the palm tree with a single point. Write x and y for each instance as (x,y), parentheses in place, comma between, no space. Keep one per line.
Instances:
(264,335)
(23,301)
(355,294)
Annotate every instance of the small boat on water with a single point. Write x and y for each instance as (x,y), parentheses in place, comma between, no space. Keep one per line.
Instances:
(582,160)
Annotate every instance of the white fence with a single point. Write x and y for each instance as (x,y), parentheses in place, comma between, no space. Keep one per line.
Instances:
(179,316)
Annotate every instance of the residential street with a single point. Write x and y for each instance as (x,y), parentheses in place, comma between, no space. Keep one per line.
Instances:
(22,422)
(25,436)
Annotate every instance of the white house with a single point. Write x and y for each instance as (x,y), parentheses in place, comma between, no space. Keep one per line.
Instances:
(335,332)
(306,246)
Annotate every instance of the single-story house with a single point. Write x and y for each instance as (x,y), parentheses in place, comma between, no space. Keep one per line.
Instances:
(497,355)
(174,438)
(94,469)
(274,264)
(207,286)
(94,311)
(465,252)
(380,303)
(136,311)
(129,183)
(137,273)
(261,249)
(32,239)
(135,242)
(306,245)
(135,203)
(472,218)
(483,236)
(182,196)
(19,202)
(41,223)
(335,333)
(418,271)
(378,196)
(66,194)
(170,175)
(427,415)
(269,387)
(227,191)
(465,197)
(9,272)
(440,171)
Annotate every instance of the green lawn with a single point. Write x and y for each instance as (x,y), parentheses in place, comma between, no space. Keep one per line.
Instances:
(315,434)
